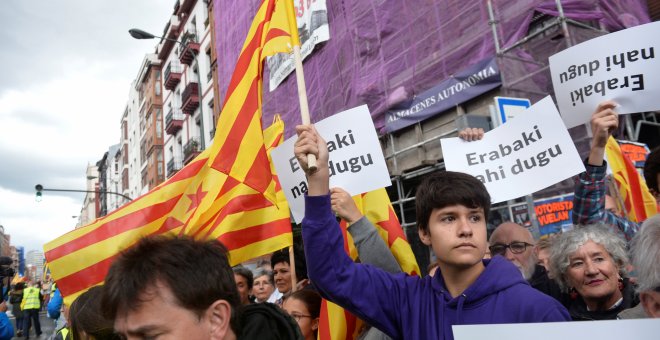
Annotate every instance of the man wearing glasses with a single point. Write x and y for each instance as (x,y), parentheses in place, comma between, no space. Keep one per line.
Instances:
(515,243)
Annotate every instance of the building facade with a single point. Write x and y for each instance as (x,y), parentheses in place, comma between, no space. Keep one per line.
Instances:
(386,56)
(110,181)
(129,165)
(150,91)
(188,81)
(34,265)
(20,253)
(91,207)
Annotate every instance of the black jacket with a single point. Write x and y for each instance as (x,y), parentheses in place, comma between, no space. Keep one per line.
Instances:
(579,312)
(267,321)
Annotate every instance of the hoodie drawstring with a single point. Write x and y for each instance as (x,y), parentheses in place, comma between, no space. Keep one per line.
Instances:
(459,309)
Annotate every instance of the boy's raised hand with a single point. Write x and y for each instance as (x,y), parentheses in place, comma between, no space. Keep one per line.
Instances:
(310,142)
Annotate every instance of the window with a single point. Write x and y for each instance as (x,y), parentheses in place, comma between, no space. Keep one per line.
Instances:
(209,76)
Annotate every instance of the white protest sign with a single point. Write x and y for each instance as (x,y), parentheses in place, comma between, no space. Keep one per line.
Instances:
(356,160)
(527,154)
(620,66)
(638,329)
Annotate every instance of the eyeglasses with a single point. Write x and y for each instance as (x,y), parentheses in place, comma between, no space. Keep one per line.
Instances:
(297,317)
(515,247)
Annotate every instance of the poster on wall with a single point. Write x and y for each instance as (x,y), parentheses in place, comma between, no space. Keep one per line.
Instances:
(312,18)
(554,214)
(636,152)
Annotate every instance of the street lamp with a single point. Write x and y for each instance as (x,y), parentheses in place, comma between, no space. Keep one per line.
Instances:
(140,34)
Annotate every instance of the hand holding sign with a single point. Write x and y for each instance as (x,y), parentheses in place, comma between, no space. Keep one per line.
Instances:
(604,121)
(309,142)
(471,134)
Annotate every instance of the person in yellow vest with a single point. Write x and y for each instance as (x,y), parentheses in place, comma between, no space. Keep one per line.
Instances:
(31,305)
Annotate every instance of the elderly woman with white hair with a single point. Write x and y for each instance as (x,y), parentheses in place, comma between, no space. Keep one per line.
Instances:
(589,263)
(645,256)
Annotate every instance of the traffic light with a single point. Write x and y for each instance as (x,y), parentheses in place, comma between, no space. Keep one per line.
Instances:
(38,187)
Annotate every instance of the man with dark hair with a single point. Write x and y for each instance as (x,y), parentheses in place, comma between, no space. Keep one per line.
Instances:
(180,288)
(452,209)
(244,281)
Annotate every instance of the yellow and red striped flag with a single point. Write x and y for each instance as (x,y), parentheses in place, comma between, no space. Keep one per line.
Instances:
(241,154)
(228,192)
(376,206)
(336,323)
(638,201)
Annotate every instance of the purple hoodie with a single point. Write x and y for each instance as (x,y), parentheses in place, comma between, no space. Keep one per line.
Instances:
(410,307)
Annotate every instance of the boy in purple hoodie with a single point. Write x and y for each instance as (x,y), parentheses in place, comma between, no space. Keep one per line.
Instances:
(452,209)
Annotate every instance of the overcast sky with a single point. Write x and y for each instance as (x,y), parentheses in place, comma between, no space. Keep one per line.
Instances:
(66,71)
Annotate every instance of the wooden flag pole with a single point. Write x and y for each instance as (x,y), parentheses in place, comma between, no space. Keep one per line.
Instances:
(300,75)
(292,269)
(302,98)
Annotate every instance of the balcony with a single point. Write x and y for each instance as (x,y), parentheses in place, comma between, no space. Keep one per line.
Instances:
(172,33)
(173,166)
(174,121)
(190,47)
(190,98)
(172,75)
(185,6)
(191,150)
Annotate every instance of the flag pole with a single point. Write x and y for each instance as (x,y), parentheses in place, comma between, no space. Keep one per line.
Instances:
(300,76)
(292,267)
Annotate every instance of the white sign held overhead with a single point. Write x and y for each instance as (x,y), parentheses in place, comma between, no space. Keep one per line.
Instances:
(620,66)
(356,159)
(638,329)
(527,154)
(508,108)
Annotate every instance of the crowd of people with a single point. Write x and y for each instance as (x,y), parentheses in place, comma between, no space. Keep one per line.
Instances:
(605,268)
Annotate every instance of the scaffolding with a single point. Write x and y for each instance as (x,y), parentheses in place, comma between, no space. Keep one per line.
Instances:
(415,152)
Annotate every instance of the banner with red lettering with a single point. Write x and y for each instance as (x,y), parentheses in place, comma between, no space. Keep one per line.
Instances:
(554,214)
(636,152)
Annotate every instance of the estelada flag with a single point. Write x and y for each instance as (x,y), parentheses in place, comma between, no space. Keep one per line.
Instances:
(228,192)
(638,201)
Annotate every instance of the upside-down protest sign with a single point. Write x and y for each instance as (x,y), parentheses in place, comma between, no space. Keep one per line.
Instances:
(527,154)
(620,66)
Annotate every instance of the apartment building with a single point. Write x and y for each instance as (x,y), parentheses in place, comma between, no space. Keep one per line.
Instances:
(188,82)
(150,90)
(129,164)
